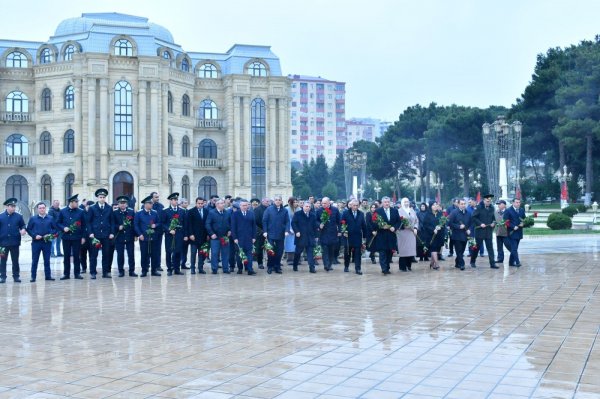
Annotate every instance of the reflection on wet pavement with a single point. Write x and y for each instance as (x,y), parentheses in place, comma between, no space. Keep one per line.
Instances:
(482,333)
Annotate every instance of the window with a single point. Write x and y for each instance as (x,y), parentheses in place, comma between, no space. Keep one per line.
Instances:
(207,187)
(123,47)
(46,56)
(122,185)
(17,59)
(69,97)
(185,187)
(185,65)
(208,110)
(257,69)
(69,51)
(185,148)
(17,145)
(123,117)
(170,145)
(169,102)
(69,142)
(46,188)
(46,100)
(166,55)
(69,181)
(170,184)
(45,143)
(17,101)
(17,187)
(208,71)
(185,105)
(207,149)
(258,152)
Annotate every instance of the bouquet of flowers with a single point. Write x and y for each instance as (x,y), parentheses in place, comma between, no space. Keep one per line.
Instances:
(74,226)
(472,244)
(268,247)
(242,255)
(96,243)
(49,237)
(253,250)
(378,220)
(224,241)
(174,225)
(204,250)
(150,231)
(2,252)
(344,228)
(127,221)
(317,253)
(404,222)
(528,222)
(325,215)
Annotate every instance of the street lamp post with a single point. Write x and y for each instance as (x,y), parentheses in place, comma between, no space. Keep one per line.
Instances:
(595,209)
(377,190)
(562,178)
(360,192)
(438,186)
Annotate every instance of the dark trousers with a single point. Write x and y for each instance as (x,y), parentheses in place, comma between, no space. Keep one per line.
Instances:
(274,262)
(13,251)
(184,252)
(514,252)
(37,247)
(71,247)
(355,253)
(328,255)
(309,256)
(405,263)
(173,257)
(451,246)
(502,242)
(121,247)
(385,258)
(84,251)
(248,252)
(258,244)
(106,258)
(488,246)
(217,249)
(459,249)
(194,248)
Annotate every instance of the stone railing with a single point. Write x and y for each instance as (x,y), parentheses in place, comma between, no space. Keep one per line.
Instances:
(209,123)
(16,160)
(16,117)
(208,163)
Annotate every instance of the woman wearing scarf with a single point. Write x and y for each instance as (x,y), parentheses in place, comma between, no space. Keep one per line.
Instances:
(407,235)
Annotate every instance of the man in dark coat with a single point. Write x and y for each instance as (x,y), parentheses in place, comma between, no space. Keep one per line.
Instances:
(71,221)
(276,226)
(197,233)
(124,233)
(515,216)
(330,231)
(218,226)
(306,229)
(146,224)
(12,227)
(174,227)
(100,228)
(259,211)
(384,233)
(353,238)
(459,222)
(243,231)
(484,220)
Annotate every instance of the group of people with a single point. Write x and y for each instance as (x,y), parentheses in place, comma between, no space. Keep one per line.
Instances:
(236,232)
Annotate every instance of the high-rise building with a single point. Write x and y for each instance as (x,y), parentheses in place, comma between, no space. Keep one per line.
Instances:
(111,101)
(357,130)
(318,118)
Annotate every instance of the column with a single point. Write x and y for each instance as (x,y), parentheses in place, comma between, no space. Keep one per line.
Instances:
(271,144)
(91,155)
(164,114)
(104,131)
(246,132)
(78,170)
(237,144)
(142,133)
(155,143)
(284,142)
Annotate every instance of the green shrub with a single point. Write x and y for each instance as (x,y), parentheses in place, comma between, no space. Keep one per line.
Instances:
(559,221)
(581,208)
(528,221)
(570,211)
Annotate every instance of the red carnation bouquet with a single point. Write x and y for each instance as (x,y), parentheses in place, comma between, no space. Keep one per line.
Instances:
(268,247)
(96,243)
(318,253)
(404,222)
(344,228)
(326,215)
(378,220)
(127,221)
(224,241)
(472,244)
(243,257)
(174,225)
(74,226)
(49,237)
(204,250)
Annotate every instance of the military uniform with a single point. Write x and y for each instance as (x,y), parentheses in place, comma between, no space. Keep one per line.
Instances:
(174,242)
(100,227)
(123,230)
(11,226)
(149,245)
(40,226)
(72,222)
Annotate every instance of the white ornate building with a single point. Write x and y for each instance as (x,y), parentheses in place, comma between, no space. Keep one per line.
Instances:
(111,101)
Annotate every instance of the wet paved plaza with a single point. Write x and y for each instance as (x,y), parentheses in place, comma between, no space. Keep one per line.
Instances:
(481,333)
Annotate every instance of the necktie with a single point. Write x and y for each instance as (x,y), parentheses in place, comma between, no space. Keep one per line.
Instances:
(387,213)
(306,214)
(101,207)
(244,213)
(201,214)
(354,213)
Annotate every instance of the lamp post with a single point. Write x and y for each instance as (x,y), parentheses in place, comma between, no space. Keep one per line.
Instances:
(595,209)
(360,192)
(354,169)
(438,186)
(477,182)
(562,178)
(377,190)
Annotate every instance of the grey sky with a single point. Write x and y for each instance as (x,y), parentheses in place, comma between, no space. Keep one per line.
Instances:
(391,54)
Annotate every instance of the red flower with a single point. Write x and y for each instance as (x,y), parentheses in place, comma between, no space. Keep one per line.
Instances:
(245,262)
(328,210)
(507,223)
(343,222)
(176,216)
(445,213)
(374,217)
(535,214)
(78,223)
(129,217)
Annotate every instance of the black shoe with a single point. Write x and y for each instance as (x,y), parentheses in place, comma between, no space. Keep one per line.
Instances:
(121,274)
(335,262)
(494,267)
(312,270)
(83,271)
(227,272)
(169,273)
(517,265)
(269,270)
(240,271)
(179,273)
(261,267)
(193,271)
(62,278)
(78,277)
(358,272)
(450,255)
(185,267)
(500,261)
(346,270)
(160,269)
(93,276)
(373,261)
(462,268)
(252,273)
(201,271)
(295,268)
(133,274)
(386,272)
(32,280)
(473,265)
(106,275)
(144,274)
(50,279)
(157,274)
(278,271)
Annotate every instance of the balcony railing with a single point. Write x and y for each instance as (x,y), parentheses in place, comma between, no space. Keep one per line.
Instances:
(16,160)
(16,117)
(209,123)
(208,163)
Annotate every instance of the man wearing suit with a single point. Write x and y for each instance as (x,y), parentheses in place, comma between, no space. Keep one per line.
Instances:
(484,220)
(40,226)
(459,222)
(158,234)
(259,208)
(276,225)
(12,227)
(124,233)
(514,215)
(146,224)
(218,226)
(306,228)
(197,234)
(329,238)
(71,220)
(243,231)
(356,233)
(174,226)
(383,235)
(183,205)
(100,227)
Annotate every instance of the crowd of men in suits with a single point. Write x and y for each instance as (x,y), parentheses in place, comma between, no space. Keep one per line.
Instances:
(234,233)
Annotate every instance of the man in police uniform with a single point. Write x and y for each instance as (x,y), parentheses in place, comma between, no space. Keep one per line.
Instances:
(183,206)
(158,234)
(122,221)
(145,220)
(100,227)
(12,227)
(40,226)
(71,220)
(175,237)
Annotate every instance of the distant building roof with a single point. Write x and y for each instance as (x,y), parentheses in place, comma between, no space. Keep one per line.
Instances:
(313,79)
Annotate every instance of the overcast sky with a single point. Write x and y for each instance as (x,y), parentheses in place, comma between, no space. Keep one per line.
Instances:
(391,53)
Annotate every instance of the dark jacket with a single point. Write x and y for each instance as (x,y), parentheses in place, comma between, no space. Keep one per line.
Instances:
(329,232)
(68,217)
(196,225)
(307,226)
(483,215)
(385,240)
(259,212)
(276,222)
(515,217)
(127,234)
(10,226)
(456,218)
(100,221)
(142,222)
(40,226)
(243,228)
(175,242)
(217,223)
(357,228)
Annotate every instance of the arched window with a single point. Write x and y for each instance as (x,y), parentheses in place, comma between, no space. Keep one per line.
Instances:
(46,100)
(208,110)
(185,187)
(69,51)
(45,143)
(169,102)
(208,71)
(185,105)
(69,97)
(185,147)
(166,55)
(46,56)
(16,59)
(122,185)
(123,47)
(17,187)
(69,142)
(170,145)
(258,148)
(17,145)
(46,186)
(207,187)
(257,69)
(123,117)
(17,101)
(170,184)
(69,181)
(185,64)
(207,149)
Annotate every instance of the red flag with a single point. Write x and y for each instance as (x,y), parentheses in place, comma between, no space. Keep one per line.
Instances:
(479,196)
(564,191)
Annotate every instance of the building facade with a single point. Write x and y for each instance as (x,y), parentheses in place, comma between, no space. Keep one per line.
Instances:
(110,100)
(357,130)
(318,118)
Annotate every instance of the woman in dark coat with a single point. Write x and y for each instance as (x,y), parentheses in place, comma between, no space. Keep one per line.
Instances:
(368,219)
(433,233)
(423,255)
